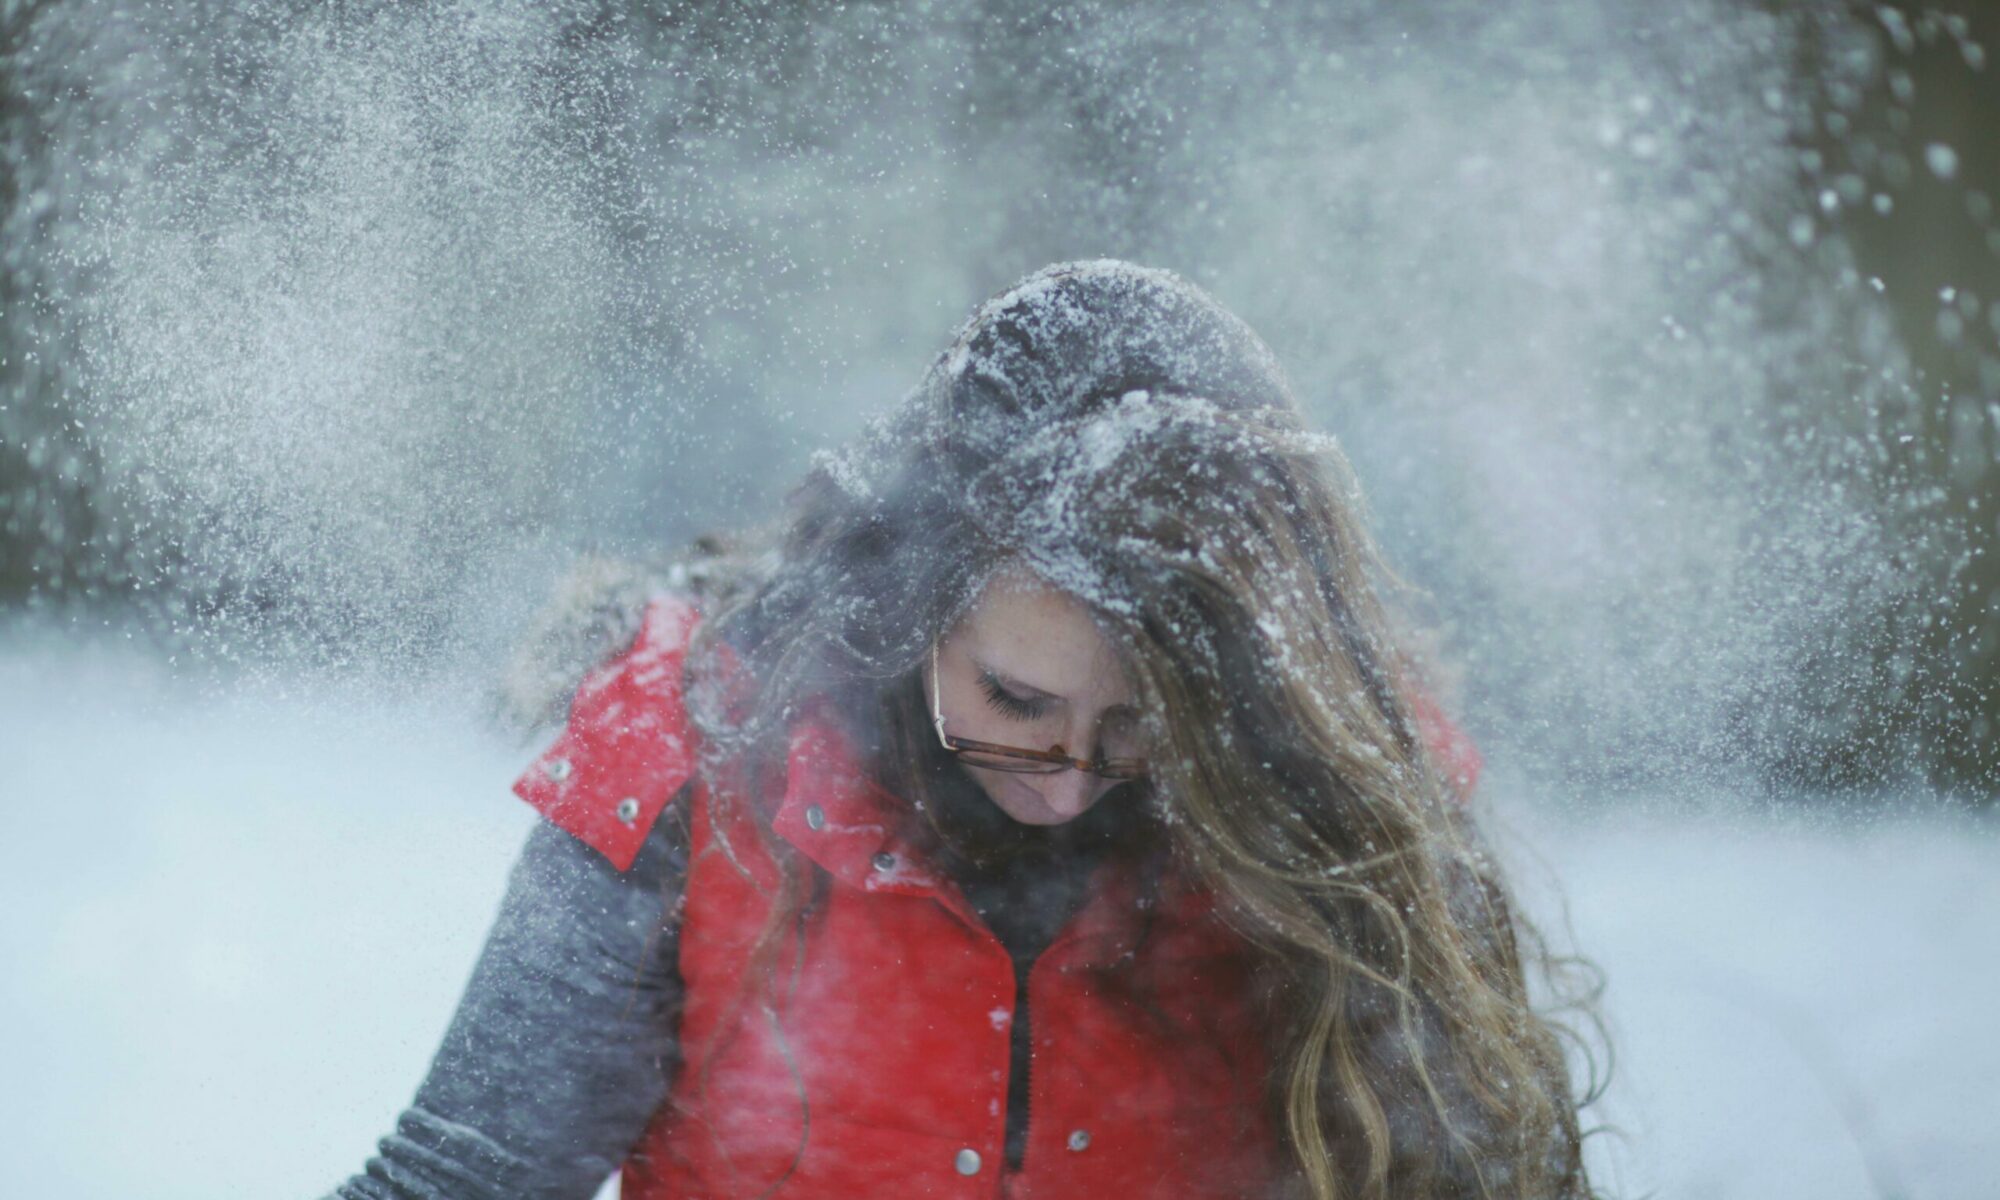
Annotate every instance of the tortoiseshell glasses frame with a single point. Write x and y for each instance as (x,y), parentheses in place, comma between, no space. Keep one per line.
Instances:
(996,757)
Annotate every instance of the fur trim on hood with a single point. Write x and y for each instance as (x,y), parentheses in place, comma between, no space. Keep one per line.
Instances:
(591,616)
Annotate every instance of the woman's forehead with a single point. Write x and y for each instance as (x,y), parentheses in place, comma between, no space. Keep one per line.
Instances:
(1044,637)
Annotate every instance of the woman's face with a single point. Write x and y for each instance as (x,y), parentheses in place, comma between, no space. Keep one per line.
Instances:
(1028,668)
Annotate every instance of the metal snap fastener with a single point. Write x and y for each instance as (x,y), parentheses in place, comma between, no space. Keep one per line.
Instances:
(1079,1139)
(967,1161)
(815,817)
(557,769)
(885,861)
(628,809)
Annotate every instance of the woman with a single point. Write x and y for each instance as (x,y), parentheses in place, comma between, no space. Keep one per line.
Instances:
(1049,809)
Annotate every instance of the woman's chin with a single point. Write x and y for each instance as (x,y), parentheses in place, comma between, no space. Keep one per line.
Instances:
(1043,818)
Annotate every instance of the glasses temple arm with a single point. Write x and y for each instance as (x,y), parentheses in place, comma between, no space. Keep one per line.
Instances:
(937,699)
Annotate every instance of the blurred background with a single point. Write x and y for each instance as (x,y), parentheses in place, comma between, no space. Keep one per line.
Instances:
(1665,340)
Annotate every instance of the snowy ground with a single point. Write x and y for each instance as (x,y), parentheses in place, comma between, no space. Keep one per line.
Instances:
(233,929)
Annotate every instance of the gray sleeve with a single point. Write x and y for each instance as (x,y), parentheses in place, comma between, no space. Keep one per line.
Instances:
(563,1042)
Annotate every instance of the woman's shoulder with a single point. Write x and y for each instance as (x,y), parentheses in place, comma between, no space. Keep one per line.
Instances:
(627,745)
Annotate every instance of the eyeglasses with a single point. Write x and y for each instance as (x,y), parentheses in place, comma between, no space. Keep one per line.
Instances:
(1012,758)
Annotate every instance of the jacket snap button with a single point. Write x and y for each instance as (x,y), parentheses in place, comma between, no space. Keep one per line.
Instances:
(557,769)
(815,817)
(967,1161)
(628,810)
(1079,1139)
(885,861)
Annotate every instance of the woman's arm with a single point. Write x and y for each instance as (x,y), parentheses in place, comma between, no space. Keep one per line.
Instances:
(563,1042)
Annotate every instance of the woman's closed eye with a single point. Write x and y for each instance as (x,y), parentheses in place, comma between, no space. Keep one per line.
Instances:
(1008,704)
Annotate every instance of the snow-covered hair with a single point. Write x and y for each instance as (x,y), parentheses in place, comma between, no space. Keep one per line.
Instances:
(1028,408)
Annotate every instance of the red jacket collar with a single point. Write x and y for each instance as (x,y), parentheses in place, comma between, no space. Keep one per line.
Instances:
(838,816)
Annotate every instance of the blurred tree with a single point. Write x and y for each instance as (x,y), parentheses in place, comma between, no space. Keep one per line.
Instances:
(47,469)
(1905,162)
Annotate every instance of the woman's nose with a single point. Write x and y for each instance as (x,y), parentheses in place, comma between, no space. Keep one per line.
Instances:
(1069,792)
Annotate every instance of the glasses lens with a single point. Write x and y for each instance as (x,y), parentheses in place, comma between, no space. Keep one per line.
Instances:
(1007,762)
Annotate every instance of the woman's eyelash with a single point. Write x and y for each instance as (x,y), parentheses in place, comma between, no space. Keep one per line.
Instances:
(1010,704)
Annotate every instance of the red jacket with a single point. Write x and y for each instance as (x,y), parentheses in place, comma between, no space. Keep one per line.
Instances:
(880,1067)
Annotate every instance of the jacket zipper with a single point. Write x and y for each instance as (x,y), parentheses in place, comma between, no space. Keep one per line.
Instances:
(1024,1030)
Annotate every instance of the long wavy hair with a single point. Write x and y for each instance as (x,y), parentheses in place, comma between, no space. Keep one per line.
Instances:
(1117,432)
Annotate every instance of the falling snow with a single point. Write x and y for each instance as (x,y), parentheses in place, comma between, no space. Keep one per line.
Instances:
(332,338)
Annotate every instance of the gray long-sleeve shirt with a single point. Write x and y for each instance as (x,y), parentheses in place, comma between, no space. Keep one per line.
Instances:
(563,1042)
